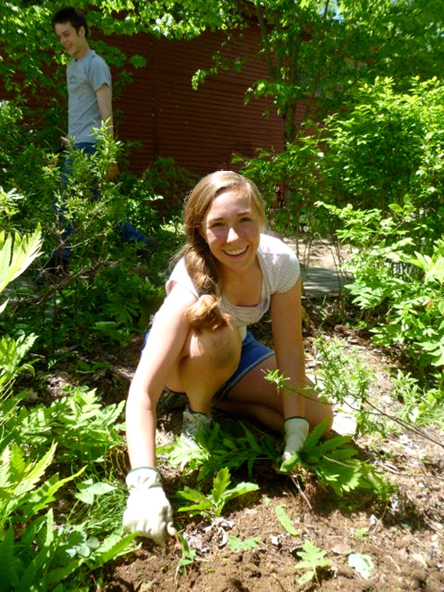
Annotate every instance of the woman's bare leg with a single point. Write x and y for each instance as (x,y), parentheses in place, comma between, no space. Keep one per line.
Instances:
(255,397)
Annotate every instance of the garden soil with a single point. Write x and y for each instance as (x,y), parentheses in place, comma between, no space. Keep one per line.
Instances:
(398,543)
(402,537)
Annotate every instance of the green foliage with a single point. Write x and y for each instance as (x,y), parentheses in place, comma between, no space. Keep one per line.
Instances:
(397,272)
(376,148)
(394,175)
(171,184)
(213,503)
(222,448)
(285,520)
(16,254)
(291,178)
(237,544)
(188,556)
(39,550)
(420,406)
(32,544)
(12,352)
(380,164)
(333,463)
(344,378)
(83,427)
(109,283)
(313,560)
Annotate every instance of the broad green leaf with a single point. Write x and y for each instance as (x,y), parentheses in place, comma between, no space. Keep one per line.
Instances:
(91,490)
(220,484)
(16,254)
(285,520)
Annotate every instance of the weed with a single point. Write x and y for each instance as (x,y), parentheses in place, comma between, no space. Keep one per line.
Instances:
(313,560)
(213,503)
(230,447)
(237,544)
(187,559)
(285,520)
(334,464)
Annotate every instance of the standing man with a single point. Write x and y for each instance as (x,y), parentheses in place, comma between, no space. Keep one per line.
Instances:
(88,79)
(89,107)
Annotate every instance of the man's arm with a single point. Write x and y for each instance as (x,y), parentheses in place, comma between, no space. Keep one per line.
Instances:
(104,101)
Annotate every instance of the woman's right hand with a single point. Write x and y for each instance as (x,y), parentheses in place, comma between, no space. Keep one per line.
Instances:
(148,512)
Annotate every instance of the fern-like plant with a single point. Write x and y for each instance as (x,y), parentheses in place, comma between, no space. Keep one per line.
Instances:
(213,503)
(333,462)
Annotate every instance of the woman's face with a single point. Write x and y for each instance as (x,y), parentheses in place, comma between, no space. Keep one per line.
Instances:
(231,228)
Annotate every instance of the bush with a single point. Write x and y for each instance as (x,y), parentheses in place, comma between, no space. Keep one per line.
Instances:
(392,176)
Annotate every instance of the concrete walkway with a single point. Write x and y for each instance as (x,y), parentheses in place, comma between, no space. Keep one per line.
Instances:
(321,267)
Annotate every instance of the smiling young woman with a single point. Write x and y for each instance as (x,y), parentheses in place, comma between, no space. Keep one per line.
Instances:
(228,274)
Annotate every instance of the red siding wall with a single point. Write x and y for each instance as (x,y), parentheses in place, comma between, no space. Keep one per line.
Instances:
(199,129)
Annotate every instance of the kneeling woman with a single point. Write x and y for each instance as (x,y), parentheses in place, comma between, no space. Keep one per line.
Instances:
(226,277)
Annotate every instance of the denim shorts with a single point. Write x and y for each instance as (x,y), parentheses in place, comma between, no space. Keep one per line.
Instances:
(253,353)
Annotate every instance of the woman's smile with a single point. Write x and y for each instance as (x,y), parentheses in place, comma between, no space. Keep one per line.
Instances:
(235,253)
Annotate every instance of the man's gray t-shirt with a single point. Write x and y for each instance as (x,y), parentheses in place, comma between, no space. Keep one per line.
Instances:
(84,77)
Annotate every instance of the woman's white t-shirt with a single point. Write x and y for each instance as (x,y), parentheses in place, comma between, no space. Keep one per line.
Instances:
(280,271)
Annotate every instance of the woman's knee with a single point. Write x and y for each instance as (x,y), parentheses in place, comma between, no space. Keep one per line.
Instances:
(218,349)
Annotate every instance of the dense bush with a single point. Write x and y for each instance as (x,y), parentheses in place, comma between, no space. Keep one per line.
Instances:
(109,284)
(290,182)
(385,179)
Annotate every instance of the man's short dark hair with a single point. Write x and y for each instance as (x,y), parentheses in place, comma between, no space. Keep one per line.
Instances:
(72,15)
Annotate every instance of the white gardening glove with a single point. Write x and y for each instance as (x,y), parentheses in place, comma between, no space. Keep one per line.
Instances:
(148,511)
(296,432)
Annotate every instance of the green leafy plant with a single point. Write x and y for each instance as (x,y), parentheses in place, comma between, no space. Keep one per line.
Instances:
(40,549)
(344,378)
(420,406)
(333,462)
(285,520)
(188,556)
(229,447)
(313,561)
(84,428)
(213,503)
(395,223)
(237,544)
